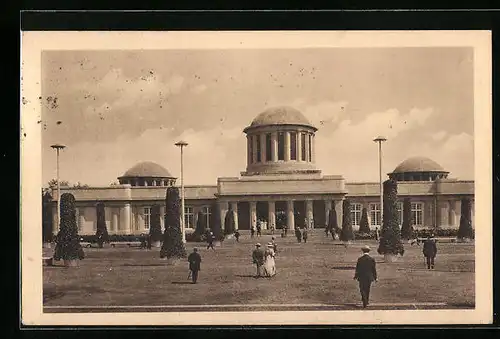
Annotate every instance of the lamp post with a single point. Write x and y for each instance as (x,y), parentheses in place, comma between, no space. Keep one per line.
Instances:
(380,140)
(182,144)
(58,147)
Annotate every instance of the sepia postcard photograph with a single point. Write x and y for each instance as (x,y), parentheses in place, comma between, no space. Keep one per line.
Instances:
(256,178)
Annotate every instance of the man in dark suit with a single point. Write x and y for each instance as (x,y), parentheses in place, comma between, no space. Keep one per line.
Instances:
(194,260)
(430,251)
(258,259)
(366,273)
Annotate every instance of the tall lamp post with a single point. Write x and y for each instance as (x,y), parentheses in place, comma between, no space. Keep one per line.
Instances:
(380,140)
(58,147)
(182,144)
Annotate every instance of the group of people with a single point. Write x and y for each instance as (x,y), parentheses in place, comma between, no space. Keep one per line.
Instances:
(301,235)
(264,259)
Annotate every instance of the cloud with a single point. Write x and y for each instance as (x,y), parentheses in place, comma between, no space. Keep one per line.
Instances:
(439,135)
(199,89)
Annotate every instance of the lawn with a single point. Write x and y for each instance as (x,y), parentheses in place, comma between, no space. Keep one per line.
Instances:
(316,274)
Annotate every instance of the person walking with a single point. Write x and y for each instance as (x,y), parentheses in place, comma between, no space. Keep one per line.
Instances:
(429,251)
(258,258)
(210,241)
(376,233)
(304,234)
(259,228)
(194,260)
(366,274)
(298,234)
(237,236)
(275,246)
(252,232)
(269,262)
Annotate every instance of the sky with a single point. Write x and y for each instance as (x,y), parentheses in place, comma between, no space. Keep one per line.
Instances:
(113,109)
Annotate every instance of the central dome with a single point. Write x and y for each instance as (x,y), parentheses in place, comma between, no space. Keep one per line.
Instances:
(281,115)
(148,169)
(418,164)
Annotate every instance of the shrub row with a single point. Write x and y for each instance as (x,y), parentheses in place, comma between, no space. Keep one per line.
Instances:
(420,233)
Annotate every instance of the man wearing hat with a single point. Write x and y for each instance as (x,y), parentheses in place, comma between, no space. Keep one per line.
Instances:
(194,260)
(366,273)
(258,258)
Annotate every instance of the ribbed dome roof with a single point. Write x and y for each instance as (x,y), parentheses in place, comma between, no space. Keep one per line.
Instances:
(148,169)
(282,115)
(418,164)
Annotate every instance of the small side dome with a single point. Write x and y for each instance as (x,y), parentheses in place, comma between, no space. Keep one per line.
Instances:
(147,173)
(418,169)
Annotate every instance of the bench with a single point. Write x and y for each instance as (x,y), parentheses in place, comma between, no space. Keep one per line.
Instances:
(48,261)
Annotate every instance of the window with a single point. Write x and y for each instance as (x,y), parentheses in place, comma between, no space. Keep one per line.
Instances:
(206,212)
(188,217)
(303,147)
(356,213)
(147,217)
(310,147)
(375,214)
(293,146)
(281,146)
(269,155)
(417,213)
(259,147)
(250,141)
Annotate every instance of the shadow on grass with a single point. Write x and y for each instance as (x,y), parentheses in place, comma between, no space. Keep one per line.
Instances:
(343,268)
(182,283)
(246,276)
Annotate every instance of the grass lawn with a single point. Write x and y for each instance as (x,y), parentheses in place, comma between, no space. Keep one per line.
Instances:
(319,272)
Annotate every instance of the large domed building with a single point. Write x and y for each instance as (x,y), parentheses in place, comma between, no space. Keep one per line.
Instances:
(280,186)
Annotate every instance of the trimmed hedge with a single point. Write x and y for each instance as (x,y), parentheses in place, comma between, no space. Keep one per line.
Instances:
(390,235)
(173,246)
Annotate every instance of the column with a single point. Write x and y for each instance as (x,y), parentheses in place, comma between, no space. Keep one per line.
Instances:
(290,220)
(287,146)
(299,146)
(472,213)
(125,214)
(338,210)
(234,207)
(162,217)
(274,146)
(249,150)
(313,149)
(443,213)
(253,214)
(307,147)
(223,207)
(328,208)
(309,213)
(114,221)
(81,220)
(145,182)
(254,148)
(271,214)
(263,147)
(451,214)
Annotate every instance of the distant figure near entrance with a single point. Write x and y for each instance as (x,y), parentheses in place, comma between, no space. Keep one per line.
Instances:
(430,251)
(366,273)
(304,235)
(194,260)
(237,236)
(298,234)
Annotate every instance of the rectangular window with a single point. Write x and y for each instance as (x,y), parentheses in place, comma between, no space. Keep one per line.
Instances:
(303,147)
(147,217)
(281,146)
(310,147)
(400,212)
(259,148)
(417,213)
(250,140)
(356,210)
(188,217)
(293,146)
(207,212)
(269,155)
(375,216)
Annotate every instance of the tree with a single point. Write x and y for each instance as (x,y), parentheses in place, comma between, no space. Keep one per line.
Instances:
(363,223)
(390,238)
(216,223)
(346,234)
(173,246)
(155,225)
(201,224)
(465,230)
(229,223)
(407,227)
(333,225)
(102,231)
(47,225)
(68,245)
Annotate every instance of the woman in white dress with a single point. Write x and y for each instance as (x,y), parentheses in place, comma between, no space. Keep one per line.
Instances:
(269,263)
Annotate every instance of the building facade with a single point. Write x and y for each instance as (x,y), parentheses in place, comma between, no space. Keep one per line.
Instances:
(281,186)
